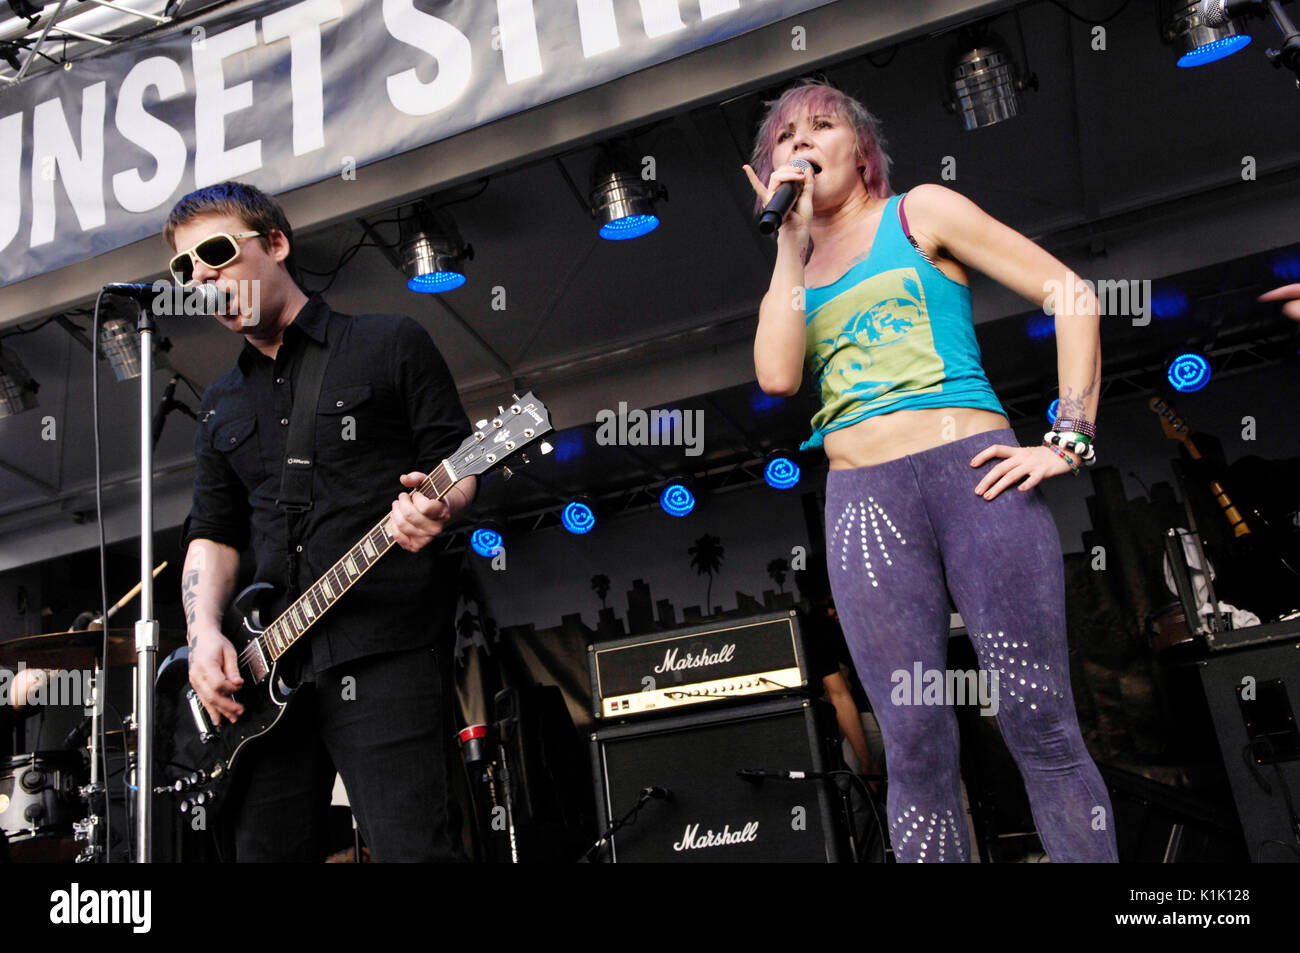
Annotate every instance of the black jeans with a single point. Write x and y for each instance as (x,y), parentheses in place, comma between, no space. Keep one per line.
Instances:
(382,722)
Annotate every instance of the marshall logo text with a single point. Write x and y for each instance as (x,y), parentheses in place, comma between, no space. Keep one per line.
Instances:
(672,663)
(693,840)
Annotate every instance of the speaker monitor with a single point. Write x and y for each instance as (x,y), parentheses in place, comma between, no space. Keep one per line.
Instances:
(1253,695)
(711,814)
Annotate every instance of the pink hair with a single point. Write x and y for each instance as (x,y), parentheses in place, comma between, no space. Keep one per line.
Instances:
(812,97)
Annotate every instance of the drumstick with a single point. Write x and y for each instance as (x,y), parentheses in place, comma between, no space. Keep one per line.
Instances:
(134,590)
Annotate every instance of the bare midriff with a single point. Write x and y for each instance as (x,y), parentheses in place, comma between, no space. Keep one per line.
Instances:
(887,437)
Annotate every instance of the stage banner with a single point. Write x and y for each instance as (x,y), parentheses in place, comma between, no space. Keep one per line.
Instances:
(283,94)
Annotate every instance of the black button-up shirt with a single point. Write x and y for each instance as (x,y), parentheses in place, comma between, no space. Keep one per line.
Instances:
(387,406)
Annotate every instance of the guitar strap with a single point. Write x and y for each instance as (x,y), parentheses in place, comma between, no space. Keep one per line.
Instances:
(300,443)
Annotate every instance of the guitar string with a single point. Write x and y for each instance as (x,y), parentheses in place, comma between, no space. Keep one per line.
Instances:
(382,528)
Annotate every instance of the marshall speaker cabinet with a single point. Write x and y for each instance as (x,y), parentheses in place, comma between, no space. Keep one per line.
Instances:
(707,811)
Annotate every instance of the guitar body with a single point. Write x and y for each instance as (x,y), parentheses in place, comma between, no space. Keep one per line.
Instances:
(198,757)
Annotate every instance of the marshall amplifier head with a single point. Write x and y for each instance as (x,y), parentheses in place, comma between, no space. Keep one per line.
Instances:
(708,812)
(660,671)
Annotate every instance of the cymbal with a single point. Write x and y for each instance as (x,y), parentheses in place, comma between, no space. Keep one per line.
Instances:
(80,649)
(114,740)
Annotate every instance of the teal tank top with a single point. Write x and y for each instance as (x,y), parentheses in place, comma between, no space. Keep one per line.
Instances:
(892,333)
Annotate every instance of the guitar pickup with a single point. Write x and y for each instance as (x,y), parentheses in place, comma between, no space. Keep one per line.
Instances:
(200,716)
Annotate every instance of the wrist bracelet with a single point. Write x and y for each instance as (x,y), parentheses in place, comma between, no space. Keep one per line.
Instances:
(1061,453)
(1077,424)
(1074,442)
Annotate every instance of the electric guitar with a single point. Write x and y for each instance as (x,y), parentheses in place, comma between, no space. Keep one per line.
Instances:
(197,757)
(1269,560)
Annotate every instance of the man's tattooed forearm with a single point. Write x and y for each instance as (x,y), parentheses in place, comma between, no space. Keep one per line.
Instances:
(190,596)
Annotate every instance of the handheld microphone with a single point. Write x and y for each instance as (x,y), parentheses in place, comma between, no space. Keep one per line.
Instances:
(782,200)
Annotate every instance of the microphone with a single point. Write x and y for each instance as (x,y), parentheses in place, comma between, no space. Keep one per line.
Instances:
(657,793)
(1218,12)
(210,299)
(754,775)
(782,200)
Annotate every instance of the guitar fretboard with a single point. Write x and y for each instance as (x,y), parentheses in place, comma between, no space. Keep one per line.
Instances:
(294,622)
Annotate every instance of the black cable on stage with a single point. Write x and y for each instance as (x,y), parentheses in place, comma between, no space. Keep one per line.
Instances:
(346,257)
(100,687)
(22,330)
(465,198)
(1082,19)
(892,54)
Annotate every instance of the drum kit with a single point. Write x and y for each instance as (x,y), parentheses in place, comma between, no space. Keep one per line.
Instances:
(53,802)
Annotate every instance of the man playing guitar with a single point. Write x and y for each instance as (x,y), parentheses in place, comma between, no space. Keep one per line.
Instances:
(375,672)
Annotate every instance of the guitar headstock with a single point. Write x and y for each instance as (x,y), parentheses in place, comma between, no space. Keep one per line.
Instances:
(1173,425)
(494,441)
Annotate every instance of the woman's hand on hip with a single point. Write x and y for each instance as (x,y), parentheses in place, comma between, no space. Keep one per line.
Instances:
(1026,465)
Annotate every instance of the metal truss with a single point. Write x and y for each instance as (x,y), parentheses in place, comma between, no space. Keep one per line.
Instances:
(30,37)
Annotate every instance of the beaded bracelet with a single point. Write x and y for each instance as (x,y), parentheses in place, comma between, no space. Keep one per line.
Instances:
(1074,442)
(1061,453)
(1078,425)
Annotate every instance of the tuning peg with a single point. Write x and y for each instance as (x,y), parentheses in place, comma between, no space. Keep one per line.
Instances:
(501,411)
(524,457)
(482,424)
(545,447)
(507,472)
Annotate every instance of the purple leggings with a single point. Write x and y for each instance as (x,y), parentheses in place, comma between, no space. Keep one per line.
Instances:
(893,532)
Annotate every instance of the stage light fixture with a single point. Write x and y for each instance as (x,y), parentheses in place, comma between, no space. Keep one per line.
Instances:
(761,402)
(984,81)
(1286,265)
(25,9)
(432,251)
(1189,372)
(621,200)
(780,471)
(1040,326)
(487,540)
(1169,302)
(17,389)
(578,516)
(1197,44)
(119,344)
(676,499)
(9,53)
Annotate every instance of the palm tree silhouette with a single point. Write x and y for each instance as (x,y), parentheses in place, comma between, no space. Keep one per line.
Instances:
(777,569)
(706,556)
(600,585)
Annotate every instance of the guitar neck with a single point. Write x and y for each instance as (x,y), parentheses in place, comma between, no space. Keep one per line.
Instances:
(294,622)
(1176,429)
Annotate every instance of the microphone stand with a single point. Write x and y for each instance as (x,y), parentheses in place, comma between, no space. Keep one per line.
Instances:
(146,628)
(1289,54)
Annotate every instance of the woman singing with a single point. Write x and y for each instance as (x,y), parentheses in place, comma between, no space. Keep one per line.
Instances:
(927,483)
